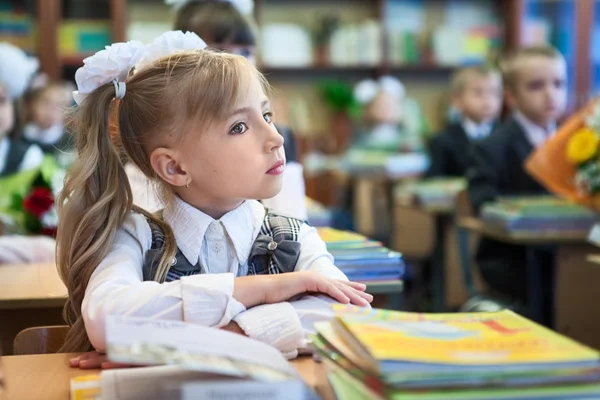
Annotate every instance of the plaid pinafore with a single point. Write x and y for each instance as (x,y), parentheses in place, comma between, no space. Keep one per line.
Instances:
(275,250)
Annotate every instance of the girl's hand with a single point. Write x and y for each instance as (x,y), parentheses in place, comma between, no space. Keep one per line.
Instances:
(289,285)
(268,289)
(94,360)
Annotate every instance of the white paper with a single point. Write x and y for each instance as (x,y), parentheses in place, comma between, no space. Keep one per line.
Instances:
(150,383)
(241,390)
(145,341)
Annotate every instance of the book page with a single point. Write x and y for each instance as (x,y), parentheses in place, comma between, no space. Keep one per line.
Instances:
(142,341)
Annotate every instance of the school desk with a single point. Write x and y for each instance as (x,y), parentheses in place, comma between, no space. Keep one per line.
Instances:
(563,241)
(371,196)
(429,233)
(48,376)
(578,293)
(33,295)
(30,295)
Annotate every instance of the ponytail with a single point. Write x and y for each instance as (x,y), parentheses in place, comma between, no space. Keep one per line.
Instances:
(92,206)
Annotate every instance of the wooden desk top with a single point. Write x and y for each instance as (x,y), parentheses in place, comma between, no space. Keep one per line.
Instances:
(48,376)
(544,238)
(31,286)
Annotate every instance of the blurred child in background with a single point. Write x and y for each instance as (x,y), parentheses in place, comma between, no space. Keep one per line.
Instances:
(535,80)
(46,108)
(16,155)
(477,96)
(16,71)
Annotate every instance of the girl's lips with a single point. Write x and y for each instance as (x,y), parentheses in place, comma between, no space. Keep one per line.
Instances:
(277,168)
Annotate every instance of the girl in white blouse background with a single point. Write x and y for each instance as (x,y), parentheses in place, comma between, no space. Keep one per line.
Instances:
(197,122)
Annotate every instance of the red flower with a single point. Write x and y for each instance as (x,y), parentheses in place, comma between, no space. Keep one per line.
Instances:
(49,232)
(38,202)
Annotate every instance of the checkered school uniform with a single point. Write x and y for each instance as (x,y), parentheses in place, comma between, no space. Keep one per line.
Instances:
(276,250)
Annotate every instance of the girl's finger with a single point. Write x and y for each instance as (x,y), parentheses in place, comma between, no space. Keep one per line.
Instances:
(333,291)
(74,362)
(365,295)
(92,363)
(354,296)
(355,285)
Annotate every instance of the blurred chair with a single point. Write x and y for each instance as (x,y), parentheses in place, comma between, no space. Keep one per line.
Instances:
(40,340)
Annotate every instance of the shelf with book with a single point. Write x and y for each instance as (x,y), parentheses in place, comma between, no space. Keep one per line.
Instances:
(18,24)
(69,29)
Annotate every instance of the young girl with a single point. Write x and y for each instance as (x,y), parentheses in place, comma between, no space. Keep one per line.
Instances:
(198,122)
(16,71)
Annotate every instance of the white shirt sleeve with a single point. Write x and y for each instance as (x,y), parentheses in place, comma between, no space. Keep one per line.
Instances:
(116,287)
(33,158)
(286,325)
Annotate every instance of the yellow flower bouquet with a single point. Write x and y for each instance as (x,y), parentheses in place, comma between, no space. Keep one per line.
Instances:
(569,163)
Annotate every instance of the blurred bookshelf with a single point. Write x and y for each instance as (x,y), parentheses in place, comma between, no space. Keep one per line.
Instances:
(419,41)
(62,32)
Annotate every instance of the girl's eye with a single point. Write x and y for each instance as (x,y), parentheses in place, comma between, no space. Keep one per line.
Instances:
(268,117)
(239,128)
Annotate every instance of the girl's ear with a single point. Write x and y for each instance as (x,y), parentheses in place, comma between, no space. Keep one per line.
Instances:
(167,165)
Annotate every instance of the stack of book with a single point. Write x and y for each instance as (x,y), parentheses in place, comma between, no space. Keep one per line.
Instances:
(434,194)
(394,165)
(376,354)
(538,215)
(360,258)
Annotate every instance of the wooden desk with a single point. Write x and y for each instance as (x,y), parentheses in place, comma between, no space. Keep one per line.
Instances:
(577,294)
(31,286)
(48,376)
(30,295)
(565,243)
(429,233)
(543,238)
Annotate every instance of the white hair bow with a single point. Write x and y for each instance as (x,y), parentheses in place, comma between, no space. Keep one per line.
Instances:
(16,69)
(114,63)
(245,7)
(167,44)
(365,91)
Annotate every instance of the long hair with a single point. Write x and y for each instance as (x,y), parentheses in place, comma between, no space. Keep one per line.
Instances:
(189,89)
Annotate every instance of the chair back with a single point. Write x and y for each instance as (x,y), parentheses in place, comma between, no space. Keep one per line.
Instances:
(40,340)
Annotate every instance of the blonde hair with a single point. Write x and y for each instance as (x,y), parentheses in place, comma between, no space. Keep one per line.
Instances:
(511,65)
(462,76)
(170,96)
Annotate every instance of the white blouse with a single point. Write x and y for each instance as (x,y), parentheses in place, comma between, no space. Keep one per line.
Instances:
(222,247)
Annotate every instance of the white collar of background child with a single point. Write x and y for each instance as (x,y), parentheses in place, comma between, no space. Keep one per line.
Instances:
(116,61)
(535,134)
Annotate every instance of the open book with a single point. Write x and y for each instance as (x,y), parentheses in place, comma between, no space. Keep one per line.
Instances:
(186,361)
